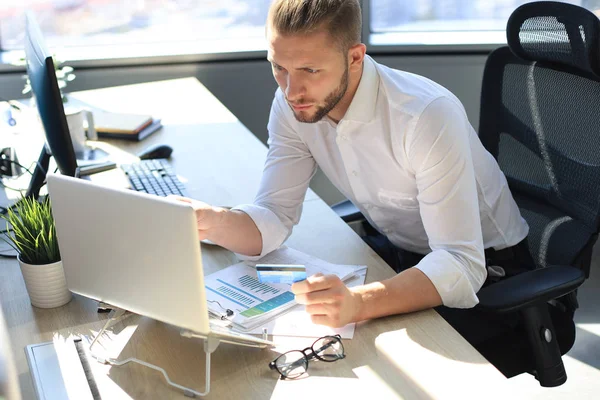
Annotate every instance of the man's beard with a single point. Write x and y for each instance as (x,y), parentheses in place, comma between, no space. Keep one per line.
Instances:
(330,101)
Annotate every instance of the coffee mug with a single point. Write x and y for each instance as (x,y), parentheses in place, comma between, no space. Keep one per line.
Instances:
(77,128)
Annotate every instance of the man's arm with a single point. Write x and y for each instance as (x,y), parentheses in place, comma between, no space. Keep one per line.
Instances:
(256,229)
(232,229)
(331,303)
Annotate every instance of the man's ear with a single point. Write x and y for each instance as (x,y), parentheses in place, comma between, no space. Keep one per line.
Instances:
(356,56)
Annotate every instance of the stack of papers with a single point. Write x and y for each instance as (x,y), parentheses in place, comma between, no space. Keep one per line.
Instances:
(254,304)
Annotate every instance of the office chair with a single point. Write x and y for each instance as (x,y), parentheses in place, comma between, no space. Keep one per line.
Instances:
(539,119)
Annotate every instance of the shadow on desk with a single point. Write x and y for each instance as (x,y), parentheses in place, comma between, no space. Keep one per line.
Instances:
(183,360)
(398,354)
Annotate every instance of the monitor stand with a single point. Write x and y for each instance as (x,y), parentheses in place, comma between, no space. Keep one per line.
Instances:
(93,160)
(91,155)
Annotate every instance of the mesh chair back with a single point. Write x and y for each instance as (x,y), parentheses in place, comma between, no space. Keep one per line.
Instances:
(540,118)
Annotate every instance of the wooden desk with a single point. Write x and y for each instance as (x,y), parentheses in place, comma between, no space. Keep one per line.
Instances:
(223,162)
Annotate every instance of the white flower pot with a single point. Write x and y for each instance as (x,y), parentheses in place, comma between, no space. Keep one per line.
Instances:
(46,284)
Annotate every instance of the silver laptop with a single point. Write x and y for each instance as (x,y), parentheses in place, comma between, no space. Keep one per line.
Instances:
(135,251)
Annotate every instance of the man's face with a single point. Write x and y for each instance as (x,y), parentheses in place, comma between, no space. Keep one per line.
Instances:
(311,71)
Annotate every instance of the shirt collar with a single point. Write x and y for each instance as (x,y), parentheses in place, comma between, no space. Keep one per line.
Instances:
(362,107)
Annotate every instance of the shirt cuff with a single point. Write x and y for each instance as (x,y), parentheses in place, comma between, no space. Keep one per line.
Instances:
(272,230)
(455,287)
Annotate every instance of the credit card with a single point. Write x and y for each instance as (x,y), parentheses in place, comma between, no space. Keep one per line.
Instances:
(280,273)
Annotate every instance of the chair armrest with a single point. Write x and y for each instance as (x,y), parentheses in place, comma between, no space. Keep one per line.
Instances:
(347,211)
(529,288)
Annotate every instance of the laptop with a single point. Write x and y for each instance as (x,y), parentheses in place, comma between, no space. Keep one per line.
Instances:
(137,252)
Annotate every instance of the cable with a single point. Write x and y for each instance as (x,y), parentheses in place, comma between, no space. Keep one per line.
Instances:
(11,188)
(24,167)
(29,169)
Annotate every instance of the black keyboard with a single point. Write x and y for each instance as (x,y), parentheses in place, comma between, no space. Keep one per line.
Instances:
(154,177)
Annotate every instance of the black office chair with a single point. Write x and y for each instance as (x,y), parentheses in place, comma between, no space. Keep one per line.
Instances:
(540,119)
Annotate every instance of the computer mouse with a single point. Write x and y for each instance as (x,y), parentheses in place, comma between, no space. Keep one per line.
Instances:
(156,151)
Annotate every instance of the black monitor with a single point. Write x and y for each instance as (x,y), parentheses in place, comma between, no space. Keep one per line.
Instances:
(44,87)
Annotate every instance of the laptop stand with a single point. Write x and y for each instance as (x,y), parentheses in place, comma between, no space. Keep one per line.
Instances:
(210,345)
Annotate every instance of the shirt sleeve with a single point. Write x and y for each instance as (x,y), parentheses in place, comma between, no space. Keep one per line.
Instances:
(287,173)
(439,153)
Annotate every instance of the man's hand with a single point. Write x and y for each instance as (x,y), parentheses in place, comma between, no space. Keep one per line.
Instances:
(328,301)
(207,216)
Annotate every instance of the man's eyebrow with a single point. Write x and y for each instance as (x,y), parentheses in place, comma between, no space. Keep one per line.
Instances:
(305,66)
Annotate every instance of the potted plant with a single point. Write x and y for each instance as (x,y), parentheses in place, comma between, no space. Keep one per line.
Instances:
(32,234)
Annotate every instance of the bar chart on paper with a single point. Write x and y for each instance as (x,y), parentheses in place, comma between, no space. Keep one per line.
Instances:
(238,288)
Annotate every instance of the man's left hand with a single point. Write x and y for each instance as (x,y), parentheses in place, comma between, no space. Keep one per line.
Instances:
(328,301)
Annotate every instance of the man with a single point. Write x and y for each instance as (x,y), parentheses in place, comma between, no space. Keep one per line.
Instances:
(397,144)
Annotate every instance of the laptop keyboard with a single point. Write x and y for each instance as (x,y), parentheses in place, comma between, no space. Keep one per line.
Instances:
(154,177)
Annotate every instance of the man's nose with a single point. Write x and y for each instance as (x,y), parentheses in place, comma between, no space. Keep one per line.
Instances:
(295,89)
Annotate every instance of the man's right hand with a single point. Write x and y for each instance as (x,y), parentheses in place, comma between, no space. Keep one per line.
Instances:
(208,217)
(231,229)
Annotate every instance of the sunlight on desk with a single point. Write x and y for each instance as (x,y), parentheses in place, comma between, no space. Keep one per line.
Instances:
(367,384)
(594,329)
(189,102)
(416,362)
(109,345)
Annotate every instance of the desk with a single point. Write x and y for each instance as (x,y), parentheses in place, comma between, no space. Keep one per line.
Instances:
(395,357)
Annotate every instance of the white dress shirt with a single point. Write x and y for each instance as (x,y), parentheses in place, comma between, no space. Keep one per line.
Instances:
(406,155)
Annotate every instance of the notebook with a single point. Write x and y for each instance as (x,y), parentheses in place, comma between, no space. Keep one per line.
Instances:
(124,126)
(135,136)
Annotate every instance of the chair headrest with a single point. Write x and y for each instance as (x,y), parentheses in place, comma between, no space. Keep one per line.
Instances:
(557,33)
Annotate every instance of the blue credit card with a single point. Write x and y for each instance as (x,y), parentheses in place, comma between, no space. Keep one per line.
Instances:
(280,273)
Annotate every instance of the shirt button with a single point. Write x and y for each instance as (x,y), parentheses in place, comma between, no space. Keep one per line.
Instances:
(354,173)
(387,230)
(368,206)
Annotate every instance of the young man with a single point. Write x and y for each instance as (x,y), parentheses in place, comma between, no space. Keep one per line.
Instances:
(397,144)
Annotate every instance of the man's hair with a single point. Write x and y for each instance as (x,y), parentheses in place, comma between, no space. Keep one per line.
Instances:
(340,18)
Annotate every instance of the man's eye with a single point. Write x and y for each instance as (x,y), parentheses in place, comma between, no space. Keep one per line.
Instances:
(312,71)
(278,67)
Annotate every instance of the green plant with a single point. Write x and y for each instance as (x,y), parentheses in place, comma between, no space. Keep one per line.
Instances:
(33,232)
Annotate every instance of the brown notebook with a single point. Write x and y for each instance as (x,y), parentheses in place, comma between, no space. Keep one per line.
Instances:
(109,122)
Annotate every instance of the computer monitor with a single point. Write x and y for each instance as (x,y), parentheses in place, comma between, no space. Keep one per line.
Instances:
(45,89)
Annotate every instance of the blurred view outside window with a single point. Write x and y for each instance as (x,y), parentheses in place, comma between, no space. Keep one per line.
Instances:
(154,27)
(68,23)
(446,21)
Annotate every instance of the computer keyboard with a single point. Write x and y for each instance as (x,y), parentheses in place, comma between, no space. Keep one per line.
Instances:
(154,177)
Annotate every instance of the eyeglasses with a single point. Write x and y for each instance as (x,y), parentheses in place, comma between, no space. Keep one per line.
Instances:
(293,364)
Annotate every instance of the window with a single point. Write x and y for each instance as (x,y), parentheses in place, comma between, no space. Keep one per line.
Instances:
(154,26)
(92,29)
(444,22)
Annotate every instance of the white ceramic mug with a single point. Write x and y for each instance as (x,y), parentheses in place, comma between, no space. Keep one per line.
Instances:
(77,128)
